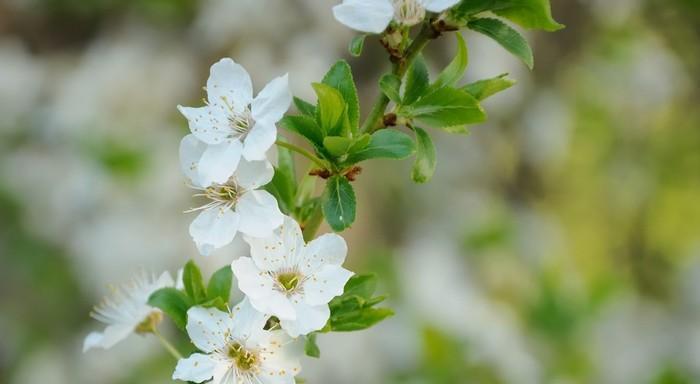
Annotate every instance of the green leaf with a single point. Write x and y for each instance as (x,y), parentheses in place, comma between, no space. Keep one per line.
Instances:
(535,14)
(484,88)
(455,70)
(216,302)
(310,347)
(194,284)
(305,126)
(506,36)
(305,107)
(337,145)
(173,303)
(424,167)
(417,81)
(446,107)
(390,85)
(340,78)
(361,285)
(360,143)
(330,109)
(220,284)
(359,320)
(339,203)
(283,185)
(356,45)
(385,143)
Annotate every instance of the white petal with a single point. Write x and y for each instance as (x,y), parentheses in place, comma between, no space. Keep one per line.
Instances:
(371,16)
(229,80)
(438,5)
(191,150)
(273,101)
(260,138)
(247,321)
(254,174)
(218,162)
(107,339)
(327,283)
(208,124)
(325,249)
(197,368)
(214,228)
(164,280)
(309,318)
(281,250)
(260,289)
(259,213)
(208,328)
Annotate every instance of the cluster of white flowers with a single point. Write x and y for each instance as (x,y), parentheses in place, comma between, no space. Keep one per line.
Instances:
(225,159)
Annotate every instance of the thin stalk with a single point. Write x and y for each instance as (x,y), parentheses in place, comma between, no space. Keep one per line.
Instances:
(167,345)
(303,152)
(372,122)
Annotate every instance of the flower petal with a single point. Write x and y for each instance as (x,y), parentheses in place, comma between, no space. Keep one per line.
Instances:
(260,138)
(107,339)
(259,212)
(280,250)
(438,5)
(273,101)
(191,150)
(197,368)
(208,328)
(309,318)
(208,124)
(371,16)
(328,249)
(218,162)
(254,174)
(260,289)
(214,228)
(327,283)
(229,86)
(247,321)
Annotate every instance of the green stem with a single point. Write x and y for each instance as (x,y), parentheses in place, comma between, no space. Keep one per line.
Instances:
(373,120)
(313,223)
(167,345)
(302,152)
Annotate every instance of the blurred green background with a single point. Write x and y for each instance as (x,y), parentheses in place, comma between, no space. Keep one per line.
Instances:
(558,243)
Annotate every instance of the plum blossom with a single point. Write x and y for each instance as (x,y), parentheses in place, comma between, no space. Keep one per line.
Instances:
(127,311)
(292,280)
(233,123)
(373,16)
(236,349)
(233,205)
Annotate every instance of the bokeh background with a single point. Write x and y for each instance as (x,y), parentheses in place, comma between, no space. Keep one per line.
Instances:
(558,243)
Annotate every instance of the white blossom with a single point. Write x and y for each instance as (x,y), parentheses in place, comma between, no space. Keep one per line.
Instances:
(232,122)
(233,205)
(236,349)
(292,280)
(373,16)
(127,311)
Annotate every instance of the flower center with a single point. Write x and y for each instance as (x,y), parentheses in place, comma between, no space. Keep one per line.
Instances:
(223,193)
(245,360)
(408,12)
(149,324)
(289,280)
(239,122)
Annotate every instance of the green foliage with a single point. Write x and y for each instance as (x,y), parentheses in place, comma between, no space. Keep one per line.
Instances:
(283,185)
(304,107)
(356,45)
(173,303)
(340,78)
(484,88)
(305,126)
(455,70)
(330,111)
(425,163)
(386,143)
(390,85)
(339,203)
(446,107)
(354,309)
(534,14)
(310,347)
(219,286)
(417,81)
(194,284)
(506,36)
(337,145)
